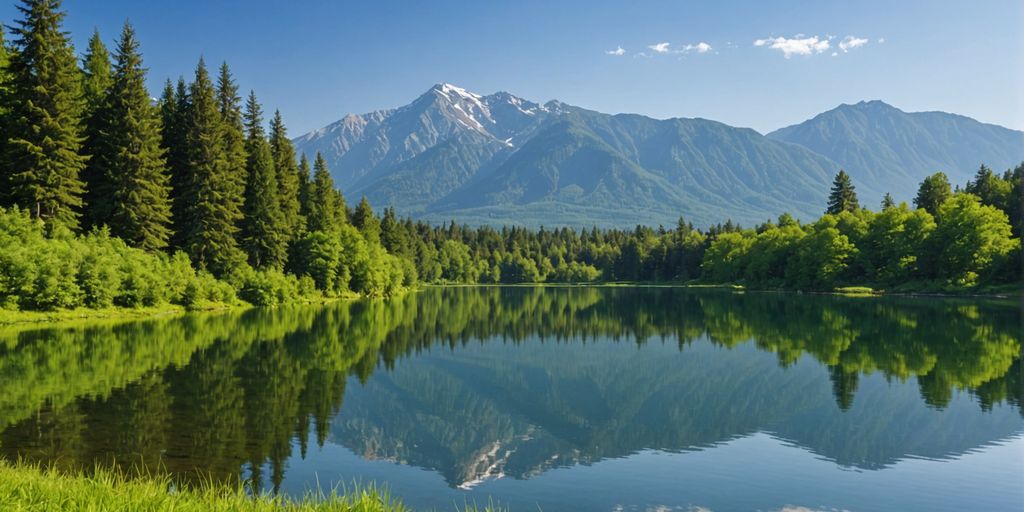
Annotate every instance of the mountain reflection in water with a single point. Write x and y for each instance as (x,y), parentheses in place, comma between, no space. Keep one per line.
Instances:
(479,383)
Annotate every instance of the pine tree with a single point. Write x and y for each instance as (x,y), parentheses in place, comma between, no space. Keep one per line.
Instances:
(129,158)
(991,188)
(888,202)
(263,230)
(5,101)
(842,197)
(174,117)
(41,158)
(287,175)
(98,76)
(326,207)
(230,107)
(366,221)
(211,208)
(305,187)
(934,191)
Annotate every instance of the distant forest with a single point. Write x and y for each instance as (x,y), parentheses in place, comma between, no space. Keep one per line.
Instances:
(111,200)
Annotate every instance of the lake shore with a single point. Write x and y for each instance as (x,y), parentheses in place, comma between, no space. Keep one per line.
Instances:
(26,487)
(10,318)
(1000,292)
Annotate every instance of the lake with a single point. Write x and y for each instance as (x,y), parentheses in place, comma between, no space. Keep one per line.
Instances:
(606,399)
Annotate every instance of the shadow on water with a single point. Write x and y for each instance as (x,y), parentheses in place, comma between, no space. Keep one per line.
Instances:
(469,381)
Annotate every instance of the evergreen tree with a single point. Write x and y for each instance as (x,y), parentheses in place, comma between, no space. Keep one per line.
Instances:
(934,191)
(5,76)
(305,187)
(98,74)
(263,230)
(42,159)
(174,117)
(393,235)
(366,221)
(96,82)
(5,102)
(230,107)
(211,208)
(129,159)
(287,176)
(326,207)
(842,198)
(888,201)
(992,189)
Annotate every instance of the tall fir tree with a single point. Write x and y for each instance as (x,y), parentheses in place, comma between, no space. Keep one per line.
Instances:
(230,105)
(842,198)
(42,160)
(305,187)
(888,201)
(366,221)
(991,188)
(98,74)
(174,119)
(326,205)
(287,175)
(210,198)
(5,101)
(97,78)
(263,229)
(129,158)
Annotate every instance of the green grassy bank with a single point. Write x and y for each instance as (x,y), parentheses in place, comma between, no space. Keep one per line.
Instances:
(29,488)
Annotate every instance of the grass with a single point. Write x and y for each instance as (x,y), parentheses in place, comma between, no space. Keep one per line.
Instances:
(855,290)
(18,318)
(30,488)
(10,317)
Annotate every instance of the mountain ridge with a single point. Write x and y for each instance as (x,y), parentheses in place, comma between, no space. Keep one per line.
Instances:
(452,154)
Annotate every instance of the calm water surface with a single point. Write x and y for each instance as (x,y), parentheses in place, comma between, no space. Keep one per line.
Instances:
(601,399)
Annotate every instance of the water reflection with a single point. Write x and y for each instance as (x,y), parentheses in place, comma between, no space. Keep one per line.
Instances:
(479,382)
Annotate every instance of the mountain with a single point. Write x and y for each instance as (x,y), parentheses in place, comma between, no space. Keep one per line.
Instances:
(888,150)
(501,159)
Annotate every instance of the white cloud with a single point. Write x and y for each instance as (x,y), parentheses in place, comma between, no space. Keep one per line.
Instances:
(618,51)
(881,40)
(660,47)
(666,48)
(700,47)
(797,45)
(850,42)
(792,508)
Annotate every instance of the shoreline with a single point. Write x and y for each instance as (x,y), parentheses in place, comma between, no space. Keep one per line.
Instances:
(27,319)
(10,319)
(849,291)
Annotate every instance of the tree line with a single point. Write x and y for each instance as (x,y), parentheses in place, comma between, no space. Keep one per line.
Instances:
(951,238)
(110,198)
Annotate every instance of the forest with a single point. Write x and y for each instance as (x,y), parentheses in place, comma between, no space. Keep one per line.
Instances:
(109,198)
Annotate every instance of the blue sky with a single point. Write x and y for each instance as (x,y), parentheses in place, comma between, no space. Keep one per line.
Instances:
(762,64)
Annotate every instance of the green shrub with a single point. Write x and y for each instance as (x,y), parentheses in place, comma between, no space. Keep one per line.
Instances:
(575,272)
